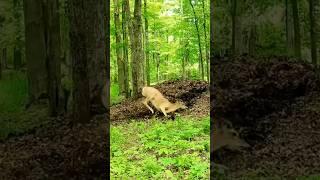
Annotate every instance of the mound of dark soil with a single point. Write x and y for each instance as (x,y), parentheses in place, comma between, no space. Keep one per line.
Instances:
(185,91)
(275,101)
(58,151)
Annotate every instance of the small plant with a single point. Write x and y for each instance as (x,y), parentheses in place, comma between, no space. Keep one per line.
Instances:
(161,150)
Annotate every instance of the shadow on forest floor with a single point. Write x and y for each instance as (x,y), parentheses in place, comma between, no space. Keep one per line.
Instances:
(276,101)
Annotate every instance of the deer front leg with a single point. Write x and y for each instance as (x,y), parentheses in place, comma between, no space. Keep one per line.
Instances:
(145,102)
(163,109)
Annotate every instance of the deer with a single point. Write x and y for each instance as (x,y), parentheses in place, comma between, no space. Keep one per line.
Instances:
(226,136)
(161,103)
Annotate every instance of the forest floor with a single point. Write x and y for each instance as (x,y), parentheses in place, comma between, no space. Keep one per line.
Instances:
(54,148)
(151,146)
(277,103)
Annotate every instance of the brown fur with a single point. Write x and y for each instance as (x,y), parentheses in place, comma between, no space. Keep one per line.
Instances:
(159,101)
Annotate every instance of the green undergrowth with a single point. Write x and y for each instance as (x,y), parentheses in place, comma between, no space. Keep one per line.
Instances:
(14,120)
(13,91)
(115,98)
(157,149)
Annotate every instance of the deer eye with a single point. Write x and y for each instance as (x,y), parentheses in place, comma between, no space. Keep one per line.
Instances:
(234,133)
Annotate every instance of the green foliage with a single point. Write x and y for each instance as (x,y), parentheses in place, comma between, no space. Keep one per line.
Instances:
(13,94)
(159,150)
(13,91)
(114,94)
(171,34)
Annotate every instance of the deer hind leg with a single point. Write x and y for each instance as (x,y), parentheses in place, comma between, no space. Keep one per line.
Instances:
(145,102)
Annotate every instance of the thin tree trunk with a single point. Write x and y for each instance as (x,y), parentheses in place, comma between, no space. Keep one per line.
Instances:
(313,34)
(206,39)
(296,25)
(52,31)
(289,29)
(1,66)
(211,47)
(17,58)
(137,53)
(199,41)
(96,52)
(252,40)
(78,39)
(35,50)
(147,43)
(125,48)
(158,67)
(120,62)
(234,19)
(4,58)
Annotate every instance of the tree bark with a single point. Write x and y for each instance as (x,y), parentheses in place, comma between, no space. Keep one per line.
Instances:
(17,58)
(78,39)
(1,67)
(313,34)
(289,28)
(147,43)
(120,62)
(252,40)
(4,58)
(206,39)
(199,41)
(53,46)
(125,20)
(137,53)
(35,50)
(296,27)
(96,52)
(234,19)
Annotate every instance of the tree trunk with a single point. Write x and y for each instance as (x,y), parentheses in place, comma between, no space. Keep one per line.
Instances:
(296,27)
(234,19)
(137,53)
(35,50)
(206,39)
(53,45)
(289,29)
(125,20)
(252,40)
(313,34)
(1,66)
(211,43)
(17,58)
(78,39)
(120,62)
(184,61)
(158,67)
(96,43)
(4,58)
(199,41)
(147,43)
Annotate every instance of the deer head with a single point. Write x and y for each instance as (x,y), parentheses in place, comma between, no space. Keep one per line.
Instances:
(226,137)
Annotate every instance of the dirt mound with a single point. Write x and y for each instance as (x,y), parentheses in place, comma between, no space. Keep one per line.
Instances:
(269,98)
(185,91)
(57,152)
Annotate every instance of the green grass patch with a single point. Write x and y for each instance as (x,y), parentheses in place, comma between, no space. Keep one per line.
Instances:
(13,91)
(115,98)
(13,94)
(176,149)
